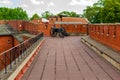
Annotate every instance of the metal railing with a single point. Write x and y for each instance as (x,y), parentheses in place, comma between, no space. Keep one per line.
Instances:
(10,57)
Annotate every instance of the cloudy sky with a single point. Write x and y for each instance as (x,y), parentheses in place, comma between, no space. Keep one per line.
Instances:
(54,6)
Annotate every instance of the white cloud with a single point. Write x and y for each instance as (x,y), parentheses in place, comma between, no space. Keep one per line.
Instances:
(51,4)
(81,2)
(42,2)
(6,2)
(54,6)
(73,2)
(86,2)
(36,2)
(24,6)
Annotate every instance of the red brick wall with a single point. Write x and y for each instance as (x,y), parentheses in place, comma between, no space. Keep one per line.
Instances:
(45,28)
(78,28)
(24,25)
(5,43)
(74,19)
(69,19)
(2,21)
(35,28)
(31,27)
(69,28)
(17,24)
(16,42)
(37,20)
(108,34)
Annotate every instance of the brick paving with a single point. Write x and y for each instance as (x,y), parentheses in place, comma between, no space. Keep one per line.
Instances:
(69,59)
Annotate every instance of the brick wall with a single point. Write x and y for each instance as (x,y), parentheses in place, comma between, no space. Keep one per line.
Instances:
(37,20)
(31,27)
(5,43)
(71,28)
(108,34)
(74,19)
(17,24)
(16,42)
(2,21)
(78,28)
(23,25)
(35,28)
(45,28)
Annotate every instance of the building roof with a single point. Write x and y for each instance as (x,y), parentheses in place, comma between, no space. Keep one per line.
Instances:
(19,36)
(6,29)
(74,19)
(68,22)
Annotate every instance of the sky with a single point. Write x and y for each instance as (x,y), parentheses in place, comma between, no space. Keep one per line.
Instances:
(54,6)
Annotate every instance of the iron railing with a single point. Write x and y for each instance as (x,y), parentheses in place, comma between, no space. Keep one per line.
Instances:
(10,57)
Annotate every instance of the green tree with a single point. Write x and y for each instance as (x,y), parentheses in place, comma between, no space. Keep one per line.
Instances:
(104,11)
(13,14)
(47,14)
(35,16)
(92,14)
(69,14)
(111,11)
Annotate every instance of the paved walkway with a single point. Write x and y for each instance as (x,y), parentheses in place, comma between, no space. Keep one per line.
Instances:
(69,59)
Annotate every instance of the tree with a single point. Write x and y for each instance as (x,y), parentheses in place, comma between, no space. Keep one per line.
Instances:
(111,11)
(104,11)
(13,14)
(35,16)
(47,14)
(92,14)
(69,14)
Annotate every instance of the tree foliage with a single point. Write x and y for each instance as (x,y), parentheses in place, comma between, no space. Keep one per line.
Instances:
(69,14)
(13,14)
(35,16)
(47,14)
(104,11)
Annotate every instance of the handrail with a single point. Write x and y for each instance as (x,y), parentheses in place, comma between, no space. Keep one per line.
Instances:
(14,54)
